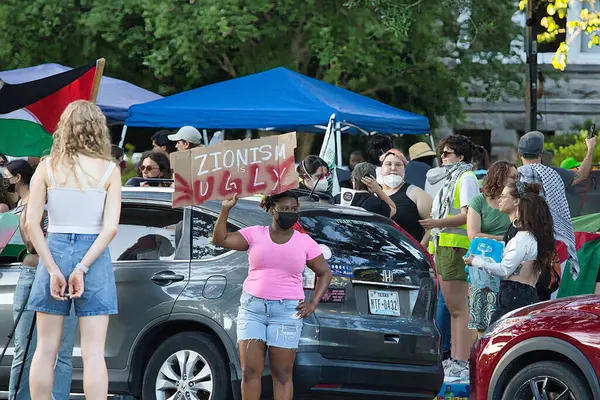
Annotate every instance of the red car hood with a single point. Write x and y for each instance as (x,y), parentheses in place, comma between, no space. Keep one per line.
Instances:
(588,304)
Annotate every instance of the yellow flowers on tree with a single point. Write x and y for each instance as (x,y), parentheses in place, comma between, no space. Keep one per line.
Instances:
(588,23)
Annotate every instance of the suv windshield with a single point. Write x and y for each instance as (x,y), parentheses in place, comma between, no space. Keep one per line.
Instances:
(362,247)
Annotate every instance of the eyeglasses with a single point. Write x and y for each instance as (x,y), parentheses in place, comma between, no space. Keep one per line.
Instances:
(446,153)
(147,168)
(319,177)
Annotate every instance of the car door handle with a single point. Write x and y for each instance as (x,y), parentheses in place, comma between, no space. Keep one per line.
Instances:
(391,339)
(165,278)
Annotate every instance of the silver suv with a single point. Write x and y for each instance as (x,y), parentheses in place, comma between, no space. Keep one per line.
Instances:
(373,334)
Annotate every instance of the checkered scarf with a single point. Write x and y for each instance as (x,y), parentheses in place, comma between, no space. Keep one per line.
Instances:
(553,190)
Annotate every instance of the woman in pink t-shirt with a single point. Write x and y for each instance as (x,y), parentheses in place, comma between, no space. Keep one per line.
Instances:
(272,304)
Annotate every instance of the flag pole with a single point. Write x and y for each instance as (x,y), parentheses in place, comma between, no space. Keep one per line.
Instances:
(97,78)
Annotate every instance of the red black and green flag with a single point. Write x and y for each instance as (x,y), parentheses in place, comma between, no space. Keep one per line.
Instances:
(587,240)
(29,112)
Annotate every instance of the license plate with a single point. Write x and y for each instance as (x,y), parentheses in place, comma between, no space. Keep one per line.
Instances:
(384,302)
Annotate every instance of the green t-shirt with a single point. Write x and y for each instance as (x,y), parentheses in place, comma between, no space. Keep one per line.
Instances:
(493,221)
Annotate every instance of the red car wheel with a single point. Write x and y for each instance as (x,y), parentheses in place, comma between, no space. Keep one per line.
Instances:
(547,380)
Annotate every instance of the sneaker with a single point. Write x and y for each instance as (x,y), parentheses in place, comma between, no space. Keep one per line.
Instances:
(446,363)
(458,369)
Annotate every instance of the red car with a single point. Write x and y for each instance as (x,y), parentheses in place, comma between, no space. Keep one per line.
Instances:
(550,350)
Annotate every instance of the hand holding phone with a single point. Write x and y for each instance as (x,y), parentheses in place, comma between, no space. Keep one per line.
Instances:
(592,131)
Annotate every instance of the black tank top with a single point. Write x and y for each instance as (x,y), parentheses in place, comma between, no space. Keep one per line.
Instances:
(407,214)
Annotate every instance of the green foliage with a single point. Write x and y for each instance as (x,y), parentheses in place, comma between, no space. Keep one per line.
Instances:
(419,55)
(570,145)
(131,170)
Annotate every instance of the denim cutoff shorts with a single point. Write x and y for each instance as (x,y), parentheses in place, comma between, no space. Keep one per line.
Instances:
(274,322)
(99,290)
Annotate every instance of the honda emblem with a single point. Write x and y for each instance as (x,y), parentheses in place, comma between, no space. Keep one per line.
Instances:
(387,276)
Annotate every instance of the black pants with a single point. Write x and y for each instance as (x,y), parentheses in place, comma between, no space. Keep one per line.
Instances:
(513,295)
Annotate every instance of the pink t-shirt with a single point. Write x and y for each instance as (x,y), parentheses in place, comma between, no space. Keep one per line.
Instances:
(276,269)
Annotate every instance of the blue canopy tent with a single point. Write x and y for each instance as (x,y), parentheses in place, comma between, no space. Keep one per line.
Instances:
(277,99)
(114,96)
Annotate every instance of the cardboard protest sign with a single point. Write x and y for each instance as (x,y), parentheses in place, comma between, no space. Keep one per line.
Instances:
(245,167)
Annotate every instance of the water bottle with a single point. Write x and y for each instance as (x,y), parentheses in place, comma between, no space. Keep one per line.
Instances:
(448,395)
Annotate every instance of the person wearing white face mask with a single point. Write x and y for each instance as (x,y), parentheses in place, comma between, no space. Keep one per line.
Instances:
(313,172)
(412,203)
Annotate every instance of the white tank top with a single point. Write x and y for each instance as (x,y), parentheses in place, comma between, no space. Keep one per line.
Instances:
(72,210)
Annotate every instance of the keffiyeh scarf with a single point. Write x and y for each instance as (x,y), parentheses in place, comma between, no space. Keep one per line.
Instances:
(553,190)
(445,196)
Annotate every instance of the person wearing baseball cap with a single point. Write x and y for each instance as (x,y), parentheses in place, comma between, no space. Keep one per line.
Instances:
(531,148)
(421,161)
(187,138)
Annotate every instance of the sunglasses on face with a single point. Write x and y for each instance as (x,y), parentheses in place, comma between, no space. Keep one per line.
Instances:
(147,168)
(447,153)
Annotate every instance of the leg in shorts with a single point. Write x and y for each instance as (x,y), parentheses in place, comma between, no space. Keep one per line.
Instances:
(450,263)
(274,322)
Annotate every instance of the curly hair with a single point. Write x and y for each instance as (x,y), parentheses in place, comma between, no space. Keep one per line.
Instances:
(268,202)
(535,217)
(81,130)
(493,183)
(4,198)
(460,144)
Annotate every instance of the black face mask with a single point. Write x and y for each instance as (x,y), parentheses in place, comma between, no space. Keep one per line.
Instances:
(287,220)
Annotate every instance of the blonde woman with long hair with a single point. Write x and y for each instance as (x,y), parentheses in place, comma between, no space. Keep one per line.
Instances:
(83,189)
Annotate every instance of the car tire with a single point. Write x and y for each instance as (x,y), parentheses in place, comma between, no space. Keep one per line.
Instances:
(200,351)
(558,373)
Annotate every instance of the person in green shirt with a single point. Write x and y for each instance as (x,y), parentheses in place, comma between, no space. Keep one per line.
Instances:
(485,220)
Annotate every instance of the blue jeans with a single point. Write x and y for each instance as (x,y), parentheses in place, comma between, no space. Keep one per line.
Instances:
(442,320)
(63,367)
(100,291)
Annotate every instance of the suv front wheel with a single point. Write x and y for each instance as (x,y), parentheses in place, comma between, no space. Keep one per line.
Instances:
(187,366)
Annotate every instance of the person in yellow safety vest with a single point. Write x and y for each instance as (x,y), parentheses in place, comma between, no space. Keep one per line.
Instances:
(448,225)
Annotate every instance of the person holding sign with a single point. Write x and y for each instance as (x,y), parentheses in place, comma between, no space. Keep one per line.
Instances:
(272,304)
(526,256)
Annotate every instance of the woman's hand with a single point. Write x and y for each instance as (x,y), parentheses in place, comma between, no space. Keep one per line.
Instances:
(371,185)
(76,283)
(469,260)
(58,286)
(429,223)
(229,204)
(305,309)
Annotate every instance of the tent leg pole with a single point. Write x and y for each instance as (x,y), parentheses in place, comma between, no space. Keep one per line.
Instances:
(123,133)
(436,161)
(205,137)
(338,143)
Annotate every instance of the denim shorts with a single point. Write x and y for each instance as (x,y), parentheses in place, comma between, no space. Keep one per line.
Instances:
(99,291)
(274,322)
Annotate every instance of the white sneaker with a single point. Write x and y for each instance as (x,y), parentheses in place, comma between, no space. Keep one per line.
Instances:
(458,369)
(447,362)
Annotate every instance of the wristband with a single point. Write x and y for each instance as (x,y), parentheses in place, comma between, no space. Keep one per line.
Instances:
(82,267)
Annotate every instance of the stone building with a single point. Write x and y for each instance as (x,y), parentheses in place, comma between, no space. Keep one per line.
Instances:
(569,99)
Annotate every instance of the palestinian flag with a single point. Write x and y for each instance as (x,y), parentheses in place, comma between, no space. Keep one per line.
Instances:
(30,111)
(588,254)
